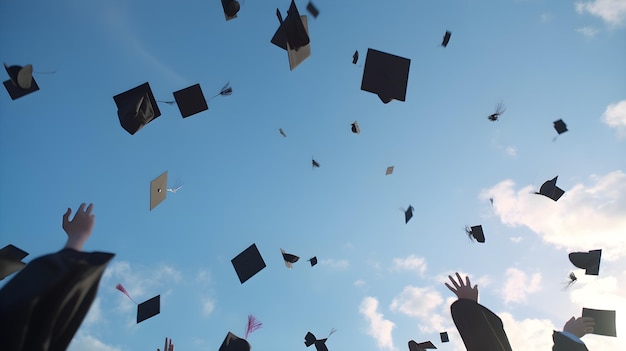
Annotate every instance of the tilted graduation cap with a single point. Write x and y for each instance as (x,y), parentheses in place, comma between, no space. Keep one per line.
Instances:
(355,57)
(446,39)
(386,75)
(148,308)
(231,7)
(604,319)
(190,100)
(248,263)
(312,10)
(315,163)
(422,346)
(234,343)
(476,232)
(21,81)
(320,344)
(158,190)
(293,36)
(389,170)
(136,108)
(282,132)
(560,126)
(589,261)
(549,189)
(313,260)
(355,127)
(444,337)
(289,258)
(11,260)
(408,214)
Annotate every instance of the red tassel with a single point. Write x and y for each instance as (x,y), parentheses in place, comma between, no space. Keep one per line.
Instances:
(121,288)
(253,325)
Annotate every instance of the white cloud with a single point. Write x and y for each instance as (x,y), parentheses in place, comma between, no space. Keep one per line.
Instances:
(208,305)
(511,151)
(546,17)
(518,285)
(83,342)
(528,334)
(517,239)
(613,12)
(416,302)
(588,31)
(411,263)
(337,264)
(95,313)
(379,327)
(359,282)
(615,116)
(586,217)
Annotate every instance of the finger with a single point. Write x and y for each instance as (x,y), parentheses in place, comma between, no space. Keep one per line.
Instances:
(451,289)
(89,209)
(81,208)
(66,216)
(460,279)
(467,281)
(454,282)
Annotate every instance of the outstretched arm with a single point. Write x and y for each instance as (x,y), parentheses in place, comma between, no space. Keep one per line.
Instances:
(78,229)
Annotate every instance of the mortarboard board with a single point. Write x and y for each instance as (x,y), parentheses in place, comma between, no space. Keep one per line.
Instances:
(21,81)
(476,232)
(386,75)
(190,101)
(413,346)
(355,57)
(289,258)
(355,127)
(408,214)
(282,132)
(148,308)
(293,36)
(389,170)
(234,343)
(310,339)
(589,261)
(315,163)
(231,7)
(446,39)
(313,260)
(11,260)
(605,321)
(444,337)
(158,190)
(136,108)
(550,189)
(312,10)
(248,263)
(560,126)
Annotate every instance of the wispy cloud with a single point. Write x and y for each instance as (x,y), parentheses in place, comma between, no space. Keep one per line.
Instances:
(411,263)
(84,341)
(359,282)
(379,328)
(421,303)
(546,17)
(613,12)
(336,264)
(615,116)
(519,285)
(588,31)
(517,239)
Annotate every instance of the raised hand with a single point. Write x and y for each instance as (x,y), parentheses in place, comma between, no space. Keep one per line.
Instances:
(463,290)
(579,326)
(167,347)
(78,229)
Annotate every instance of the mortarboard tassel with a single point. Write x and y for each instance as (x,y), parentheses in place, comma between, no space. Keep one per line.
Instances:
(253,325)
(167,102)
(226,91)
(123,290)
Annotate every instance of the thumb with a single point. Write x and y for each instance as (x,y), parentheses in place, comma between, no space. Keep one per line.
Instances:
(66,216)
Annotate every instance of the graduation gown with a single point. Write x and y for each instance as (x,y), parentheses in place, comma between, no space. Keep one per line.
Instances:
(480,328)
(44,304)
(563,343)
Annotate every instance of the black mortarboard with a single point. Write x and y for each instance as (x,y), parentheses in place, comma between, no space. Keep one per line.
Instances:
(136,108)
(289,258)
(315,163)
(293,36)
(11,260)
(355,127)
(148,308)
(605,321)
(413,346)
(560,126)
(234,343)
(313,260)
(355,57)
(21,81)
(320,345)
(158,190)
(550,189)
(476,232)
(231,7)
(446,39)
(408,214)
(386,75)
(589,261)
(248,263)
(312,10)
(389,170)
(444,336)
(282,132)
(190,101)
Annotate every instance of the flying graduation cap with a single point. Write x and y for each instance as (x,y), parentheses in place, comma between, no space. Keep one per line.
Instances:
(313,260)
(604,321)
(422,346)
(293,36)
(320,344)
(289,259)
(158,190)
(446,39)
(386,75)
(248,263)
(315,163)
(355,127)
(234,343)
(146,309)
(475,232)
(589,261)
(500,109)
(231,8)
(560,127)
(355,57)
(389,170)
(190,100)
(549,189)
(21,81)
(312,10)
(11,260)
(282,132)
(444,337)
(136,108)
(408,214)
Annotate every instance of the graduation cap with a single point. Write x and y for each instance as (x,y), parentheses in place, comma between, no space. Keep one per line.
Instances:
(11,260)
(446,39)
(422,346)
(355,127)
(386,75)
(293,36)
(234,343)
(248,263)
(231,7)
(315,163)
(158,190)
(136,108)
(289,258)
(355,57)
(21,81)
(604,319)
(444,337)
(550,189)
(589,261)
(500,109)
(146,309)
(560,126)
(313,260)
(476,232)
(190,101)
(320,344)
(389,170)
(312,10)
(408,214)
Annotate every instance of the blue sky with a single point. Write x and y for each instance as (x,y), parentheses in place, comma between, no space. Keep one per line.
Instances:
(379,281)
